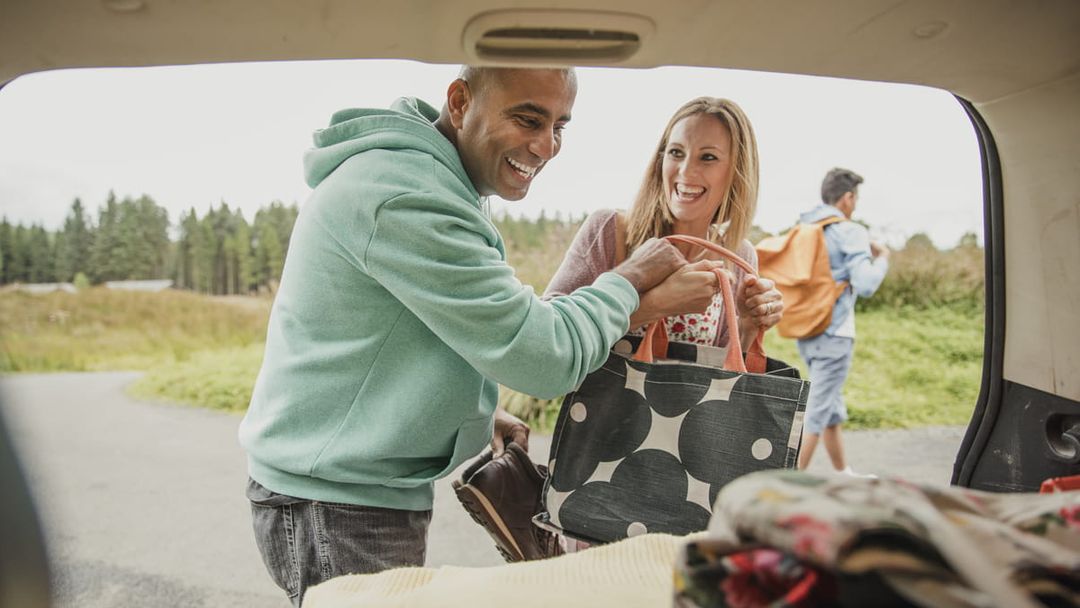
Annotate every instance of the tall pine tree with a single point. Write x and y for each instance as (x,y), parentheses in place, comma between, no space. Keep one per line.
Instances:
(39,256)
(73,244)
(7,250)
(105,263)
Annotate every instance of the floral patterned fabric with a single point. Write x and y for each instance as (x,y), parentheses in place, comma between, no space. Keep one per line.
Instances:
(702,329)
(788,538)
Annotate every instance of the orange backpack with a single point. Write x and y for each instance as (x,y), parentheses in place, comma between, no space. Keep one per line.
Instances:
(798,261)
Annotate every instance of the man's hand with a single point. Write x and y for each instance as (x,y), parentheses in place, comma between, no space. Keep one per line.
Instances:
(690,289)
(508,428)
(650,264)
(879,250)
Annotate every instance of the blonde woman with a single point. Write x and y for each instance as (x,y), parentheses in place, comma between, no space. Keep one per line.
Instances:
(702,180)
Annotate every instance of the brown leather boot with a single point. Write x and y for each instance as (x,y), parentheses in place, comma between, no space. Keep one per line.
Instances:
(502,495)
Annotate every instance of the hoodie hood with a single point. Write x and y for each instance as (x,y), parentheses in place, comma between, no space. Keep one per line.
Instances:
(408,124)
(819,213)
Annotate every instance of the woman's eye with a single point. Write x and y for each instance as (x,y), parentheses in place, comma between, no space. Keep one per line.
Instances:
(675,153)
(708,157)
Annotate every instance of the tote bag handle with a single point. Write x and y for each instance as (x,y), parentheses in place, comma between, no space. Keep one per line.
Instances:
(655,343)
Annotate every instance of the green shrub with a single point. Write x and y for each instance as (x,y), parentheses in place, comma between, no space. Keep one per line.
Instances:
(922,277)
(81,282)
(219,379)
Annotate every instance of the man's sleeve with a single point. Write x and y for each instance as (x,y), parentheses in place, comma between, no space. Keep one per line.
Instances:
(865,273)
(442,264)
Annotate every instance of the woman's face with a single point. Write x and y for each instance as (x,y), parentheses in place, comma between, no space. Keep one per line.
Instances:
(696,170)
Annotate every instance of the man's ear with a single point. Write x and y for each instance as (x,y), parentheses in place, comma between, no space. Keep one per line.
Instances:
(846,204)
(458,100)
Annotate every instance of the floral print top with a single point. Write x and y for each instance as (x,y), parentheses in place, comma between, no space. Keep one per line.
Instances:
(702,329)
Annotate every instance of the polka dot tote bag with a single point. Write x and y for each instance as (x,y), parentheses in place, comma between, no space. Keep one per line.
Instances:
(649,439)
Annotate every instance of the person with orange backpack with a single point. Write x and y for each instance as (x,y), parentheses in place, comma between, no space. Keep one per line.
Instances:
(856,267)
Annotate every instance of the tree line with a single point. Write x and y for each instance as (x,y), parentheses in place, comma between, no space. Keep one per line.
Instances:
(218,253)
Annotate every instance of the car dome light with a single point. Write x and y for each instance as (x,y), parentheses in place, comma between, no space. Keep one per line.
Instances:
(555,36)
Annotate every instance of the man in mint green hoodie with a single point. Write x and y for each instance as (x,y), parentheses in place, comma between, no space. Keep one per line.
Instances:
(397,316)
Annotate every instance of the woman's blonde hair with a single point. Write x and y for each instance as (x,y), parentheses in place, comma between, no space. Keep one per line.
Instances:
(650,215)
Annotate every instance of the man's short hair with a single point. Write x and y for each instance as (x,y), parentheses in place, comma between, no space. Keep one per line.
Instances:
(837,183)
(479,78)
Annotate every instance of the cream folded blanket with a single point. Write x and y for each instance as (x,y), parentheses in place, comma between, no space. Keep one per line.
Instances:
(633,572)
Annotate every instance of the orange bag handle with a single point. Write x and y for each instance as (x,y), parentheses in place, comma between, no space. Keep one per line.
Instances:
(655,343)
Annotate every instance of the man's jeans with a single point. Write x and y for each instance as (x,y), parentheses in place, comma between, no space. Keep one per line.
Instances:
(305,542)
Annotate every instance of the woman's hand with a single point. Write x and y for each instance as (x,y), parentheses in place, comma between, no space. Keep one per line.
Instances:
(508,428)
(760,303)
(689,289)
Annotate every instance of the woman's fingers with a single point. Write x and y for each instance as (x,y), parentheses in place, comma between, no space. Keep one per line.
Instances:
(757,297)
(767,307)
(762,301)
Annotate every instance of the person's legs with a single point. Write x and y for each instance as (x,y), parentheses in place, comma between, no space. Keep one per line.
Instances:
(304,542)
(828,359)
(836,368)
(813,422)
(806,452)
(834,446)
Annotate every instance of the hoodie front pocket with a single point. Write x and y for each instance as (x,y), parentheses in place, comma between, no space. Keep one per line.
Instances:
(470,439)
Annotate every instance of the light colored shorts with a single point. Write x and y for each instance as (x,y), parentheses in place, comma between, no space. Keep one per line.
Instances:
(829,359)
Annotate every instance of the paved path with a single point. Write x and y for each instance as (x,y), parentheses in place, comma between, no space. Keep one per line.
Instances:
(143,502)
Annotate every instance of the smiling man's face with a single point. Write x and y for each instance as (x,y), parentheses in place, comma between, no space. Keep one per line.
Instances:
(510,125)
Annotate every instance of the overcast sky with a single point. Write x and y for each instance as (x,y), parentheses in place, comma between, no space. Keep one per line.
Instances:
(196,136)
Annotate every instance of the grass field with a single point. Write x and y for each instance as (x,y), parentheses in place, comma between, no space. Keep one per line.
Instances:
(218,379)
(100,329)
(913,366)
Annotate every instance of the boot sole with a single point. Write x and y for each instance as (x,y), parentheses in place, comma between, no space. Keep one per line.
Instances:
(483,512)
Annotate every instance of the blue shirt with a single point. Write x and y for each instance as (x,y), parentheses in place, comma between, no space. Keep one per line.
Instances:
(850,260)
